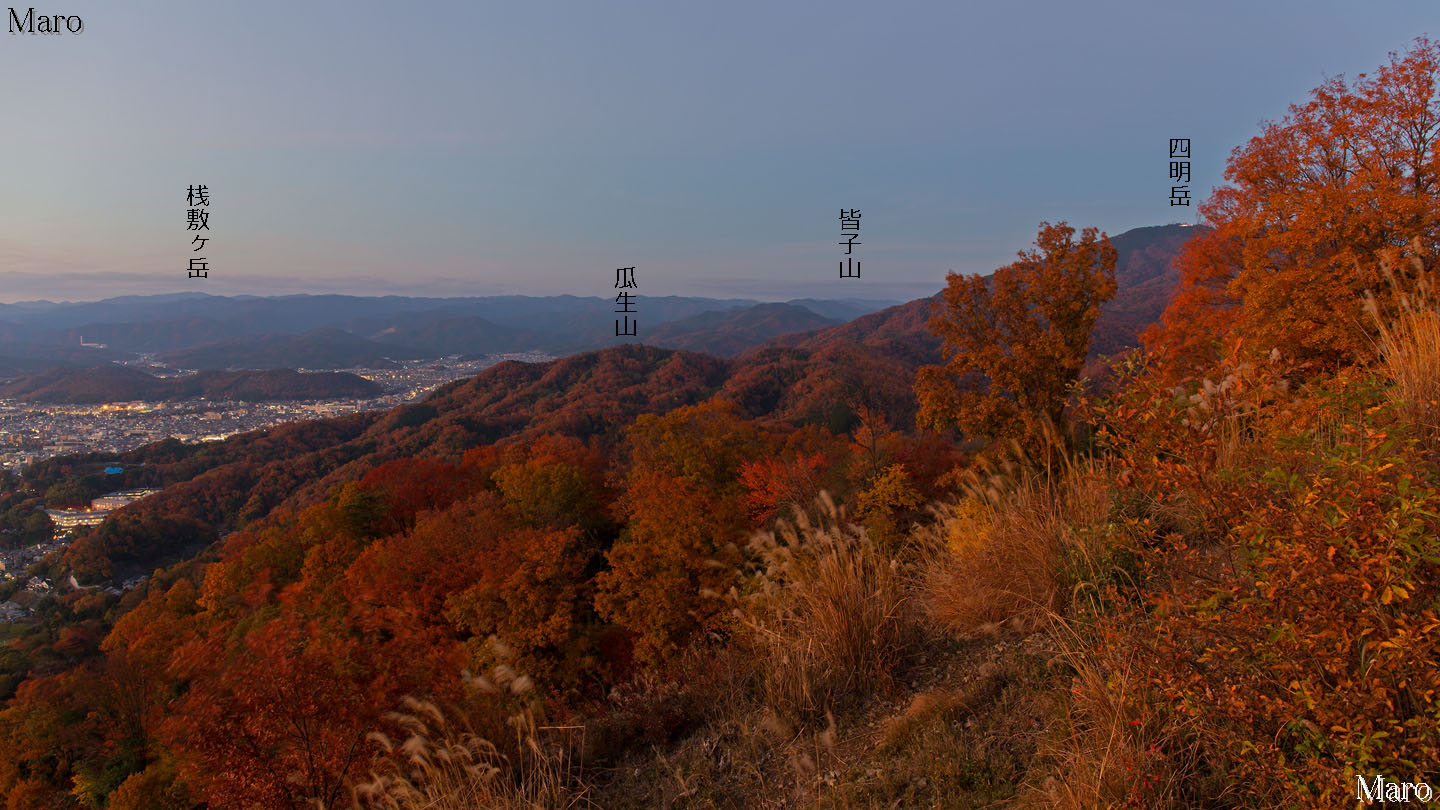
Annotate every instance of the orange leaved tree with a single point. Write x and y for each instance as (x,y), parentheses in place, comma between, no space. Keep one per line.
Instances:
(684,503)
(1310,203)
(1015,341)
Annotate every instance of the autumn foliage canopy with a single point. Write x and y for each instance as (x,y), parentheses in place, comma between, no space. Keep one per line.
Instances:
(1310,205)
(1015,341)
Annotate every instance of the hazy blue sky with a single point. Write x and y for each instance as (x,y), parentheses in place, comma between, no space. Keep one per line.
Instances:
(474,148)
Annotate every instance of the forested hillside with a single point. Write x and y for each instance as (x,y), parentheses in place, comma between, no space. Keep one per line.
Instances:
(911,560)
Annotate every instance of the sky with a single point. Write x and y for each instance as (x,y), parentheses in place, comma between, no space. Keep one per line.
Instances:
(477,148)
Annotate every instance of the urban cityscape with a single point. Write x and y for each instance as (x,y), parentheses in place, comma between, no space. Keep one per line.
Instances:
(31,432)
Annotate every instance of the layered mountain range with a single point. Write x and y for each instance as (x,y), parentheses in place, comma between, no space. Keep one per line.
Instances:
(191,331)
(833,376)
(196,331)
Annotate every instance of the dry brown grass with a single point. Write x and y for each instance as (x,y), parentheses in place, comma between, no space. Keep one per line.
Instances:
(1009,553)
(1409,343)
(942,705)
(825,613)
(1115,748)
(442,765)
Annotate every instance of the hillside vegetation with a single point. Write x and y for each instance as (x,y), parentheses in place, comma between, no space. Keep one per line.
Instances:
(644,578)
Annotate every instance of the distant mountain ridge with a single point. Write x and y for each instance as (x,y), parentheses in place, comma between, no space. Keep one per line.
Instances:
(201,331)
(725,334)
(318,349)
(17,359)
(334,331)
(1145,276)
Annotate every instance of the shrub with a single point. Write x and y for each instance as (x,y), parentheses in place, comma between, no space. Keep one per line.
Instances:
(824,612)
(1298,646)
(1117,745)
(1013,550)
(683,502)
(1410,343)
(154,788)
(447,763)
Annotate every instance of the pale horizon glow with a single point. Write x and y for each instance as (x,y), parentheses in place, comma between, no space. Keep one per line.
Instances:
(461,149)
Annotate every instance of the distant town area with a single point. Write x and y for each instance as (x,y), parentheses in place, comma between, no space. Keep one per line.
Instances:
(32,432)
(99,509)
(13,562)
